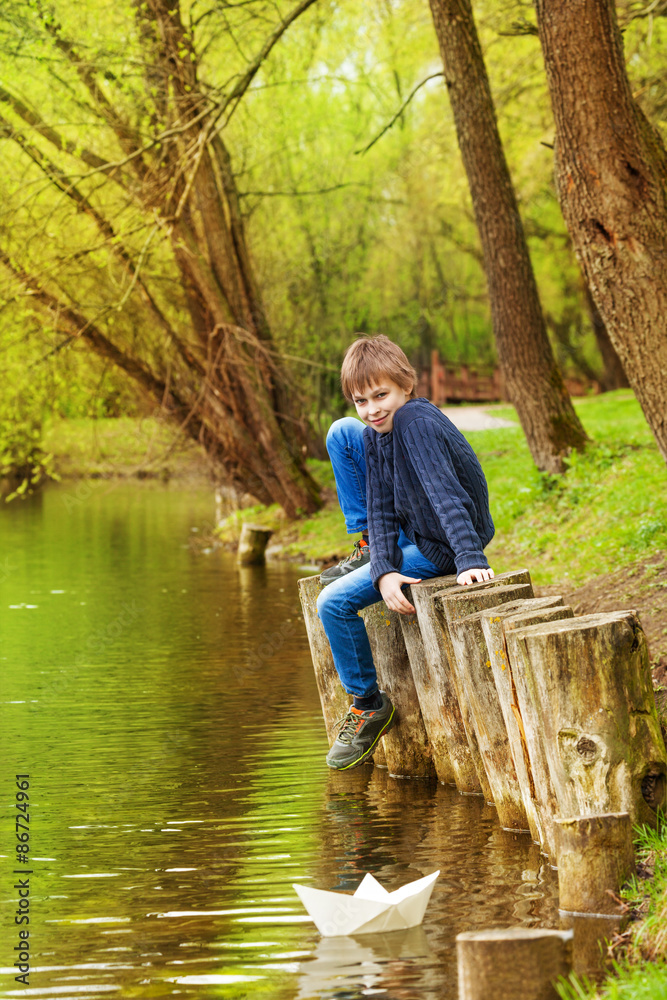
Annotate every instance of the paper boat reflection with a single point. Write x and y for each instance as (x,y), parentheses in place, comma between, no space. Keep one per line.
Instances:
(371,910)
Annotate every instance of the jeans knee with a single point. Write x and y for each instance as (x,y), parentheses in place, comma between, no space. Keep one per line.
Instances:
(344,431)
(323,603)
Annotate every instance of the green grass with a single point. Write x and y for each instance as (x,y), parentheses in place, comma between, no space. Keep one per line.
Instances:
(605,513)
(120,446)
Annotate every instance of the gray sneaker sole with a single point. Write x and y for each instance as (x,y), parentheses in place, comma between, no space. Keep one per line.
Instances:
(360,760)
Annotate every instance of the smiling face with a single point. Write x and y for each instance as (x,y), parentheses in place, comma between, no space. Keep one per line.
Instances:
(377,404)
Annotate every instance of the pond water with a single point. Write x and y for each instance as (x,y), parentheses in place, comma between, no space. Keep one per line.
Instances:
(164,705)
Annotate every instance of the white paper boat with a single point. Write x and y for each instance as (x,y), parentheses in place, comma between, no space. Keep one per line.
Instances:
(371,910)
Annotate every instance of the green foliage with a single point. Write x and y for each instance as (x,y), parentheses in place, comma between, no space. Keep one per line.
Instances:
(42,383)
(346,236)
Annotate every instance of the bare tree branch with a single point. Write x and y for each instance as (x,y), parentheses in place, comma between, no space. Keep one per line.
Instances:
(246,79)
(398,113)
(54,137)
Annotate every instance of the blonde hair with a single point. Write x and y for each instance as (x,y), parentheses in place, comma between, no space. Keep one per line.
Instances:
(370,359)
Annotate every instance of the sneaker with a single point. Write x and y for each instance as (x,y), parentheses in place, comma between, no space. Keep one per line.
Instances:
(361,556)
(360,734)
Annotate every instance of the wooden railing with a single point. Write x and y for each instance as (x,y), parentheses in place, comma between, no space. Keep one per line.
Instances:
(447,383)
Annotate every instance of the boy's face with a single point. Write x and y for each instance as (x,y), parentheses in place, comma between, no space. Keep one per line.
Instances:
(377,404)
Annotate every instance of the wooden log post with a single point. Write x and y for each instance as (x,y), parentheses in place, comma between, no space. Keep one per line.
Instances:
(455,751)
(475,680)
(592,935)
(437,699)
(521,963)
(252,545)
(595,857)
(406,747)
(494,624)
(591,679)
(334,699)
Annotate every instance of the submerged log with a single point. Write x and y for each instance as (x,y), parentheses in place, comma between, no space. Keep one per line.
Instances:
(591,678)
(521,963)
(494,623)
(406,747)
(592,935)
(448,723)
(471,661)
(595,858)
(252,545)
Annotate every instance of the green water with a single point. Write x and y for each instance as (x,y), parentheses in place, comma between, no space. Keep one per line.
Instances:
(163,703)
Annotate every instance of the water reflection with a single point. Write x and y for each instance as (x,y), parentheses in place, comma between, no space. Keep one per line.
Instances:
(164,705)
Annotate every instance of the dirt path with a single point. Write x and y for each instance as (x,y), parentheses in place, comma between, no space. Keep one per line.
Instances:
(475,418)
(641,587)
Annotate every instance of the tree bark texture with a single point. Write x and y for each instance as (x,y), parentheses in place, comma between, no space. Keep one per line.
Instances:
(494,623)
(597,720)
(611,175)
(476,683)
(532,377)
(437,692)
(431,710)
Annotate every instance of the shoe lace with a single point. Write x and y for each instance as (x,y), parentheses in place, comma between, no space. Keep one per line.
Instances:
(348,726)
(355,554)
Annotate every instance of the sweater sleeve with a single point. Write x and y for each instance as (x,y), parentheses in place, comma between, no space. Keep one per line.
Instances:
(383,523)
(431,460)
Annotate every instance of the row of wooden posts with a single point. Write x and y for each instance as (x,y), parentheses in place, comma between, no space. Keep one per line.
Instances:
(550,716)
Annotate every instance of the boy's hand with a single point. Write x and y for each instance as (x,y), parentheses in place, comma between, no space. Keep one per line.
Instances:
(474,576)
(390,587)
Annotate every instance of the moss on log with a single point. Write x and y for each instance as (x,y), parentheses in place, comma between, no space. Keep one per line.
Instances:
(591,679)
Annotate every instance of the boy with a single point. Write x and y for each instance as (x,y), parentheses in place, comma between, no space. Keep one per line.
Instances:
(411,483)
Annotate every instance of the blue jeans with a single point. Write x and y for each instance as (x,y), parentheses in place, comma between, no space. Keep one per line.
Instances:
(339,603)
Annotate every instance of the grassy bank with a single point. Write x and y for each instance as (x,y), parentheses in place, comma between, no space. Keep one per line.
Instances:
(145,447)
(640,962)
(609,511)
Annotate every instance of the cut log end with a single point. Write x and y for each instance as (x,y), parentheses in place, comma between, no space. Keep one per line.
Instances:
(252,545)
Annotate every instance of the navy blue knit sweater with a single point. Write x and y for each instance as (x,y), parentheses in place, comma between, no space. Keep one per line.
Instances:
(424,477)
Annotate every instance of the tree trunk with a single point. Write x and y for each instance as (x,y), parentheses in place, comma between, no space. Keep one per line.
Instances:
(476,683)
(611,175)
(520,963)
(613,374)
(534,382)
